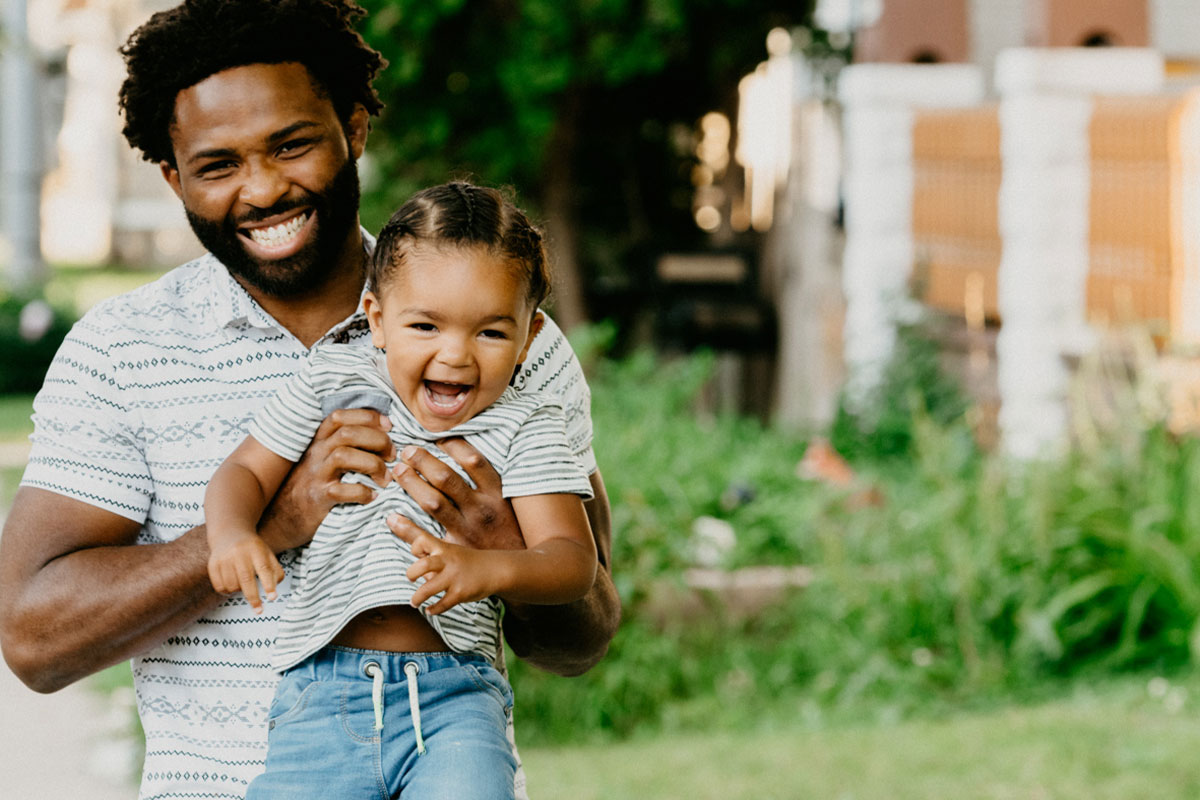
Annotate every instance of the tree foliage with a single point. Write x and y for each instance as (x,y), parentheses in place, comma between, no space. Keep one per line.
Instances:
(584,106)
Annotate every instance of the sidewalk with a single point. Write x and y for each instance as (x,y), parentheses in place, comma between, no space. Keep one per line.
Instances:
(60,745)
(66,744)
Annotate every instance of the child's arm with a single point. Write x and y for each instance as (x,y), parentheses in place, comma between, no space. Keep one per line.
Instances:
(237,494)
(557,566)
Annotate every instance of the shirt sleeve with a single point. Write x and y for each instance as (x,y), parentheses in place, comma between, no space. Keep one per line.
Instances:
(85,443)
(289,420)
(540,460)
(551,366)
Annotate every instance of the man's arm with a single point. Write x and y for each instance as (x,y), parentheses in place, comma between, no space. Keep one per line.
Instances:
(77,594)
(567,640)
(570,639)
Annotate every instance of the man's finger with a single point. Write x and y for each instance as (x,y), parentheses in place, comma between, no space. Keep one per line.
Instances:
(351,493)
(420,541)
(472,461)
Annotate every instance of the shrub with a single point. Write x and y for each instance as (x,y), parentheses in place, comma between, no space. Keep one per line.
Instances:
(26,357)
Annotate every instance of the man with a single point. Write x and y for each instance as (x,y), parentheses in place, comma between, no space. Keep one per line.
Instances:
(256,112)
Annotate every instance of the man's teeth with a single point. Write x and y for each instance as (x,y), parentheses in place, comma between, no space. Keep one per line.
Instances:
(278,234)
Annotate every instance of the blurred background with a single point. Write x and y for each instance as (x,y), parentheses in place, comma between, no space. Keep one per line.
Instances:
(891,312)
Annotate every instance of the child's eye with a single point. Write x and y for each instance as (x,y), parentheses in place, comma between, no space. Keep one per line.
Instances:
(493,334)
(423,326)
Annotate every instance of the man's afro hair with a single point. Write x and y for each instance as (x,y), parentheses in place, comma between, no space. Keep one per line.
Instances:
(182,46)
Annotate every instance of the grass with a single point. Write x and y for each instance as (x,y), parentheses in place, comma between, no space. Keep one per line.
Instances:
(1123,740)
(15,424)
(15,427)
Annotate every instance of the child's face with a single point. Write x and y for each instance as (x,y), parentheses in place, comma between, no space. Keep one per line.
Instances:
(455,324)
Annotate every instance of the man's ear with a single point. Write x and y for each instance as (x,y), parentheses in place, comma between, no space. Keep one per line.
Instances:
(374,314)
(535,325)
(356,130)
(171,176)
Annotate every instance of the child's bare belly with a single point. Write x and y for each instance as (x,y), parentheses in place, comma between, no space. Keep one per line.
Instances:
(393,629)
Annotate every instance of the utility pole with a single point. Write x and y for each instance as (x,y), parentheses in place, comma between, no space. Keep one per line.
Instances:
(20,152)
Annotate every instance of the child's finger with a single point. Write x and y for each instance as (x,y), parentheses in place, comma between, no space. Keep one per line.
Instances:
(266,573)
(424,568)
(445,604)
(249,586)
(427,590)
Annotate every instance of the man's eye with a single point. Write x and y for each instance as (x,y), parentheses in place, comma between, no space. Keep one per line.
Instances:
(293,146)
(215,168)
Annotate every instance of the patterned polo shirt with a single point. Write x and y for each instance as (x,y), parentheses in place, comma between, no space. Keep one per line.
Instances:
(148,394)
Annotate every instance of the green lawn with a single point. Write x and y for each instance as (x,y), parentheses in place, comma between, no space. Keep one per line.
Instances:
(15,428)
(1121,742)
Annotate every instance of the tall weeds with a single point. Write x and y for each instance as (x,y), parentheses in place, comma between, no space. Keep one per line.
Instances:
(972,575)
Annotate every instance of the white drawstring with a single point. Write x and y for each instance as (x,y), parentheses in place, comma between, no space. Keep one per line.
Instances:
(411,670)
(373,670)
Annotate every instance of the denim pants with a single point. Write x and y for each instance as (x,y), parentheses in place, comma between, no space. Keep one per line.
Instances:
(342,728)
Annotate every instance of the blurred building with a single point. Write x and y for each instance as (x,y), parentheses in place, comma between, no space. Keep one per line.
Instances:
(100,201)
(938,31)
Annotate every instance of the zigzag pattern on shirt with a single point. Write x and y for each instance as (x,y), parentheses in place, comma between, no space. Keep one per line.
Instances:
(73,491)
(66,464)
(150,754)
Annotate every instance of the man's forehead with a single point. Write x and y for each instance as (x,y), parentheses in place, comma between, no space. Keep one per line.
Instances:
(249,102)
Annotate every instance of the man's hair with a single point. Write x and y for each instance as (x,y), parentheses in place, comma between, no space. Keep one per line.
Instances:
(461,214)
(180,47)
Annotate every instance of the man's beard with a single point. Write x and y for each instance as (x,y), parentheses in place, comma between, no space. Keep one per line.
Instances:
(336,209)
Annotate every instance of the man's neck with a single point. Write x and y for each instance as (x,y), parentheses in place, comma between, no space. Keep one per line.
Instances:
(309,316)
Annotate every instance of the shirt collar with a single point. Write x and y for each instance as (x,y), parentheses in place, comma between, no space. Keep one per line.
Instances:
(234,307)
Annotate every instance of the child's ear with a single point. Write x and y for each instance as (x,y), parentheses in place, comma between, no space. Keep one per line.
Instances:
(535,325)
(374,314)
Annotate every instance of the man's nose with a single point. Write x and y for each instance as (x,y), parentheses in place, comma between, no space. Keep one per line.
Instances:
(264,184)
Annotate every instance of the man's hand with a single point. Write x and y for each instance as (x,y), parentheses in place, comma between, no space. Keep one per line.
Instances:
(349,440)
(479,517)
(566,640)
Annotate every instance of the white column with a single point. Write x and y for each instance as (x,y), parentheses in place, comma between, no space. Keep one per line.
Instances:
(20,156)
(1045,110)
(878,102)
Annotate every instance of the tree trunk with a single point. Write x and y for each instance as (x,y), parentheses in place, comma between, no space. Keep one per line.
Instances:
(558,203)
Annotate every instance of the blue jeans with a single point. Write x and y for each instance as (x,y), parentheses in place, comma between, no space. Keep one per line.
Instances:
(324,740)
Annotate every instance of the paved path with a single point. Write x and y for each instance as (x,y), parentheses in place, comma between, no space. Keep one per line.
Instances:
(65,744)
(70,744)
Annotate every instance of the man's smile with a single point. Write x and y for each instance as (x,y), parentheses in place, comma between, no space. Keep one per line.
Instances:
(278,239)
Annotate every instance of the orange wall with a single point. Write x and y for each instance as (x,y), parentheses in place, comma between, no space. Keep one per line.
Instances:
(1067,23)
(909,28)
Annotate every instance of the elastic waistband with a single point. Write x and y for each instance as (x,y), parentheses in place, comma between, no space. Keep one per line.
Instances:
(347,663)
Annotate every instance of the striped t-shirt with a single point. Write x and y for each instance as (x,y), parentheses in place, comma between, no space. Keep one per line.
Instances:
(146,397)
(354,562)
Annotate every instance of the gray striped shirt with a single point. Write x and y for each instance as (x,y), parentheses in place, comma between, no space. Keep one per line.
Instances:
(354,562)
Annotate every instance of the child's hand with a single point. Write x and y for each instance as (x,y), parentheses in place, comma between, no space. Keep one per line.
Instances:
(463,573)
(234,565)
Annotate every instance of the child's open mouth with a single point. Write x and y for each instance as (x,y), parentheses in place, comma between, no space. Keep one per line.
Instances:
(446,399)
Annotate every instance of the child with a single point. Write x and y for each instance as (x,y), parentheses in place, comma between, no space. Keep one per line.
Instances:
(455,281)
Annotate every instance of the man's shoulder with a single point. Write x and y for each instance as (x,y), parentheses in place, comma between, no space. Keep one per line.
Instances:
(165,304)
(550,365)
